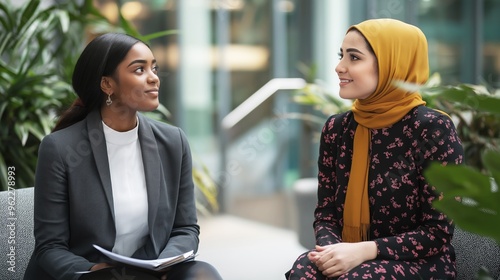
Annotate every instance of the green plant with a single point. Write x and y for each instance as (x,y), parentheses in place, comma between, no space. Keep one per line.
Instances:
(476,110)
(477,209)
(38,49)
(316,96)
(321,100)
(31,87)
(470,191)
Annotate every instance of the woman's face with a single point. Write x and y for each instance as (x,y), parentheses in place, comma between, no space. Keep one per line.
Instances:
(135,83)
(357,69)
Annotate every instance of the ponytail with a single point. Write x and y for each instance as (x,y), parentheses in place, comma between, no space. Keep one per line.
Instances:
(75,113)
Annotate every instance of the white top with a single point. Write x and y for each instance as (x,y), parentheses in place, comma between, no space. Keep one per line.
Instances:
(129,189)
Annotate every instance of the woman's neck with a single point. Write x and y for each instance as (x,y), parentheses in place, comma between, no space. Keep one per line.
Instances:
(118,119)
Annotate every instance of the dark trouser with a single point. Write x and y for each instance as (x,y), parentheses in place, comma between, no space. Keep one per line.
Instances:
(192,270)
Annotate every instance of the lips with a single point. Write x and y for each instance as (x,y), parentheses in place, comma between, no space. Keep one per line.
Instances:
(153,91)
(344,82)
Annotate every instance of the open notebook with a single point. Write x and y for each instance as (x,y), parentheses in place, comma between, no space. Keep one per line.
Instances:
(154,265)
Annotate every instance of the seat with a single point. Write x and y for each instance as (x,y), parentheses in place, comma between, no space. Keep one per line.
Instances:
(474,251)
(16,231)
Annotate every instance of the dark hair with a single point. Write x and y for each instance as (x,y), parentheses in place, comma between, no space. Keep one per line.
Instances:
(99,58)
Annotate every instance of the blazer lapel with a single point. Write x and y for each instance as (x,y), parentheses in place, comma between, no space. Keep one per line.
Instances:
(98,144)
(152,168)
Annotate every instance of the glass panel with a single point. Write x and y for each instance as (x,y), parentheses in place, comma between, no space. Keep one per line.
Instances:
(491,45)
(446,26)
(248,51)
(395,9)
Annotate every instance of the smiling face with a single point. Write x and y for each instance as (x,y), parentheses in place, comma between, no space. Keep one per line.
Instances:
(357,69)
(135,83)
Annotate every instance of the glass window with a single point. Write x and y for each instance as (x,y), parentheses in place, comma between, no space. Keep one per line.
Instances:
(491,45)
(396,9)
(445,25)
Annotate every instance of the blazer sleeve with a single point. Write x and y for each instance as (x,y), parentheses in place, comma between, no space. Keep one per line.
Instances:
(185,231)
(51,216)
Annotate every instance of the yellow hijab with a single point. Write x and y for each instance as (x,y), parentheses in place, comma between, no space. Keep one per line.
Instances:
(401,51)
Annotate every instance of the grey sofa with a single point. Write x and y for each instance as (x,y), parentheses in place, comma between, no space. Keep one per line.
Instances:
(472,251)
(17,241)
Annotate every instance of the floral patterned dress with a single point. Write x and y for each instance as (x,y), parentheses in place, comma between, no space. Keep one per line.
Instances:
(412,237)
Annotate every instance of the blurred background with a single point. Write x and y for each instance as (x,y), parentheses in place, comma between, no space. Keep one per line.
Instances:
(229,73)
(227,50)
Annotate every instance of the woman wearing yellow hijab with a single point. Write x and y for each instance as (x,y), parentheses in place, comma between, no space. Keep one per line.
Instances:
(374,218)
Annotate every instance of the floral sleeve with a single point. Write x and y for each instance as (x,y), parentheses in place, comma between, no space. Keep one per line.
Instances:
(326,225)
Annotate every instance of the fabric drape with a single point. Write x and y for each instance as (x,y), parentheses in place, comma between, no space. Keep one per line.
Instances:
(401,57)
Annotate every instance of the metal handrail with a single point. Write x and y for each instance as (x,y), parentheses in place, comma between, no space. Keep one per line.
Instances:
(261,95)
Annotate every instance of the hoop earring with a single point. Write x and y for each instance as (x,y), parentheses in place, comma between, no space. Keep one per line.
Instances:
(108,100)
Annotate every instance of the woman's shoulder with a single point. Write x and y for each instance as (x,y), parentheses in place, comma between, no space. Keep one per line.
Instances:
(428,117)
(339,121)
(430,123)
(71,141)
(68,134)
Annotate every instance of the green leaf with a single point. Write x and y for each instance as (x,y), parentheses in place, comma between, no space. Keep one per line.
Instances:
(4,41)
(463,180)
(46,123)
(3,176)
(206,186)
(149,37)
(34,58)
(306,100)
(22,133)
(89,8)
(31,127)
(479,210)
(28,12)
(64,20)
(471,218)
(434,80)
(466,96)
(491,160)
(8,17)
(129,29)
(2,109)
(483,274)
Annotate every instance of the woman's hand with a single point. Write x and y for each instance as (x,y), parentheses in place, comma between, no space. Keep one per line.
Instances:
(337,259)
(99,266)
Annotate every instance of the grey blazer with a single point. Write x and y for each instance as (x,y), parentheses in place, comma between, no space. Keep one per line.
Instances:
(74,202)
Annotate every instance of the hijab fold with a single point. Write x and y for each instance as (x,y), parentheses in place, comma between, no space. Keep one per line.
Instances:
(401,51)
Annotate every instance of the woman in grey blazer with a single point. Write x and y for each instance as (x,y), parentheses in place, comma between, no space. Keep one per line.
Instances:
(110,176)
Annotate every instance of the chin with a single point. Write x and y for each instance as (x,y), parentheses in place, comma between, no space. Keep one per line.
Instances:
(345,95)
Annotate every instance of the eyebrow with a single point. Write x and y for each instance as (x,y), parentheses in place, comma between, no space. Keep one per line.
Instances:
(140,61)
(352,50)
